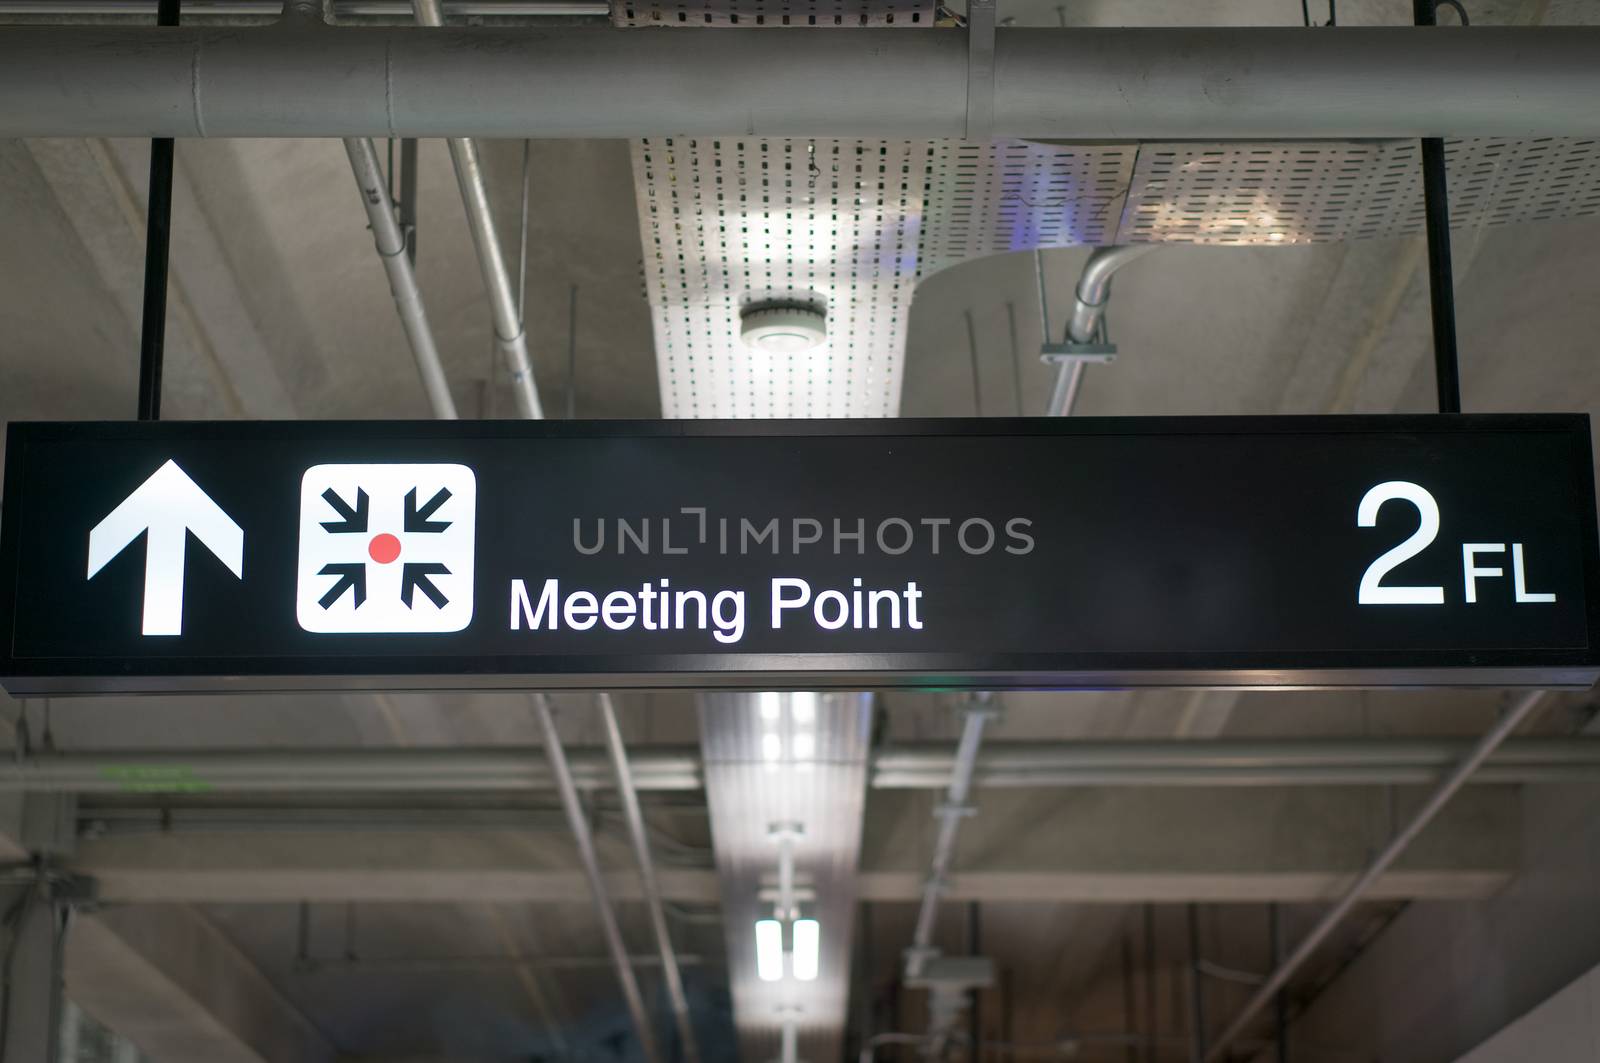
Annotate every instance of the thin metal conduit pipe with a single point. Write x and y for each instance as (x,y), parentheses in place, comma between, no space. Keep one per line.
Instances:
(391,246)
(1298,762)
(649,887)
(950,814)
(591,869)
(510,332)
(1440,796)
(1088,310)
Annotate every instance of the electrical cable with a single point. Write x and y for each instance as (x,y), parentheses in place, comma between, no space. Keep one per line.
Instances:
(1459,7)
(1305,11)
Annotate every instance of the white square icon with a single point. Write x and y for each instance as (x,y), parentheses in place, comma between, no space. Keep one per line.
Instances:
(386,548)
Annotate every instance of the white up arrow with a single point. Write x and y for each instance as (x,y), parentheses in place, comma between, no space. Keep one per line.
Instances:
(169,505)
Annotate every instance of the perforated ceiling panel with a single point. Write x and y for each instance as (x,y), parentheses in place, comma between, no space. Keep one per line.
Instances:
(1323,192)
(826,13)
(1010,195)
(851,225)
(734,222)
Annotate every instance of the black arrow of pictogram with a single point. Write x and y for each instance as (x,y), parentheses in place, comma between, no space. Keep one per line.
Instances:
(352,577)
(355,520)
(414,577)
(417,519)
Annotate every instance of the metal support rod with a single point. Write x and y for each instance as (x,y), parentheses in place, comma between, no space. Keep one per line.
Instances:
(1152,1029)
(975,995)
(33,975)
(649,887)
(1044,296)
(1016,358)
(584,840)
(1197,989)
(1441,279)
(408,196)
(1280,1003)
(1095,84)
(391,243)
(1130,1017)
(950,815)
(509,329)
(972,356)
(1424,815)
(157,245)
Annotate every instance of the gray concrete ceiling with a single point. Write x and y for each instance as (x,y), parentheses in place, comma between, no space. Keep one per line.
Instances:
(280,309)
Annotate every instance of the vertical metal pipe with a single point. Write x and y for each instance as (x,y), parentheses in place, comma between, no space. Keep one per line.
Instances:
(1197,990)
(1088,310)
(1094,288)
(390,241)
(584,840)
(1441,279)
(1436,800)
(972,356)
(634,816)
(1064,395)
(509,332)
(157,245)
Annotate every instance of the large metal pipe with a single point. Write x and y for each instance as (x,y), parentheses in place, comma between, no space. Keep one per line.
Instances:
(271,9)
(587,857)
(649,887)
(510,332)
(1402,839)
(1103,84)
(1296,762)
(391,244)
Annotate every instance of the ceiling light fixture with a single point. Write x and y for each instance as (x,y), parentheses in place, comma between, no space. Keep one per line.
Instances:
(783,329)
(807,947)
(769,950)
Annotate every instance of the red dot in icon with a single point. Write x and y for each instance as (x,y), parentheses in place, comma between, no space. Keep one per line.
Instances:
(383,548)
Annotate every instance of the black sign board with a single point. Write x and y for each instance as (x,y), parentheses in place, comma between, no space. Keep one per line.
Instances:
(1308,551)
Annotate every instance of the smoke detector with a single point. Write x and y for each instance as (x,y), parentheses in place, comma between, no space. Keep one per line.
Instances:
(783,329)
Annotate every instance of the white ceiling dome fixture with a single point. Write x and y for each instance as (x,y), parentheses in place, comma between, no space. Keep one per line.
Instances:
(783,329)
